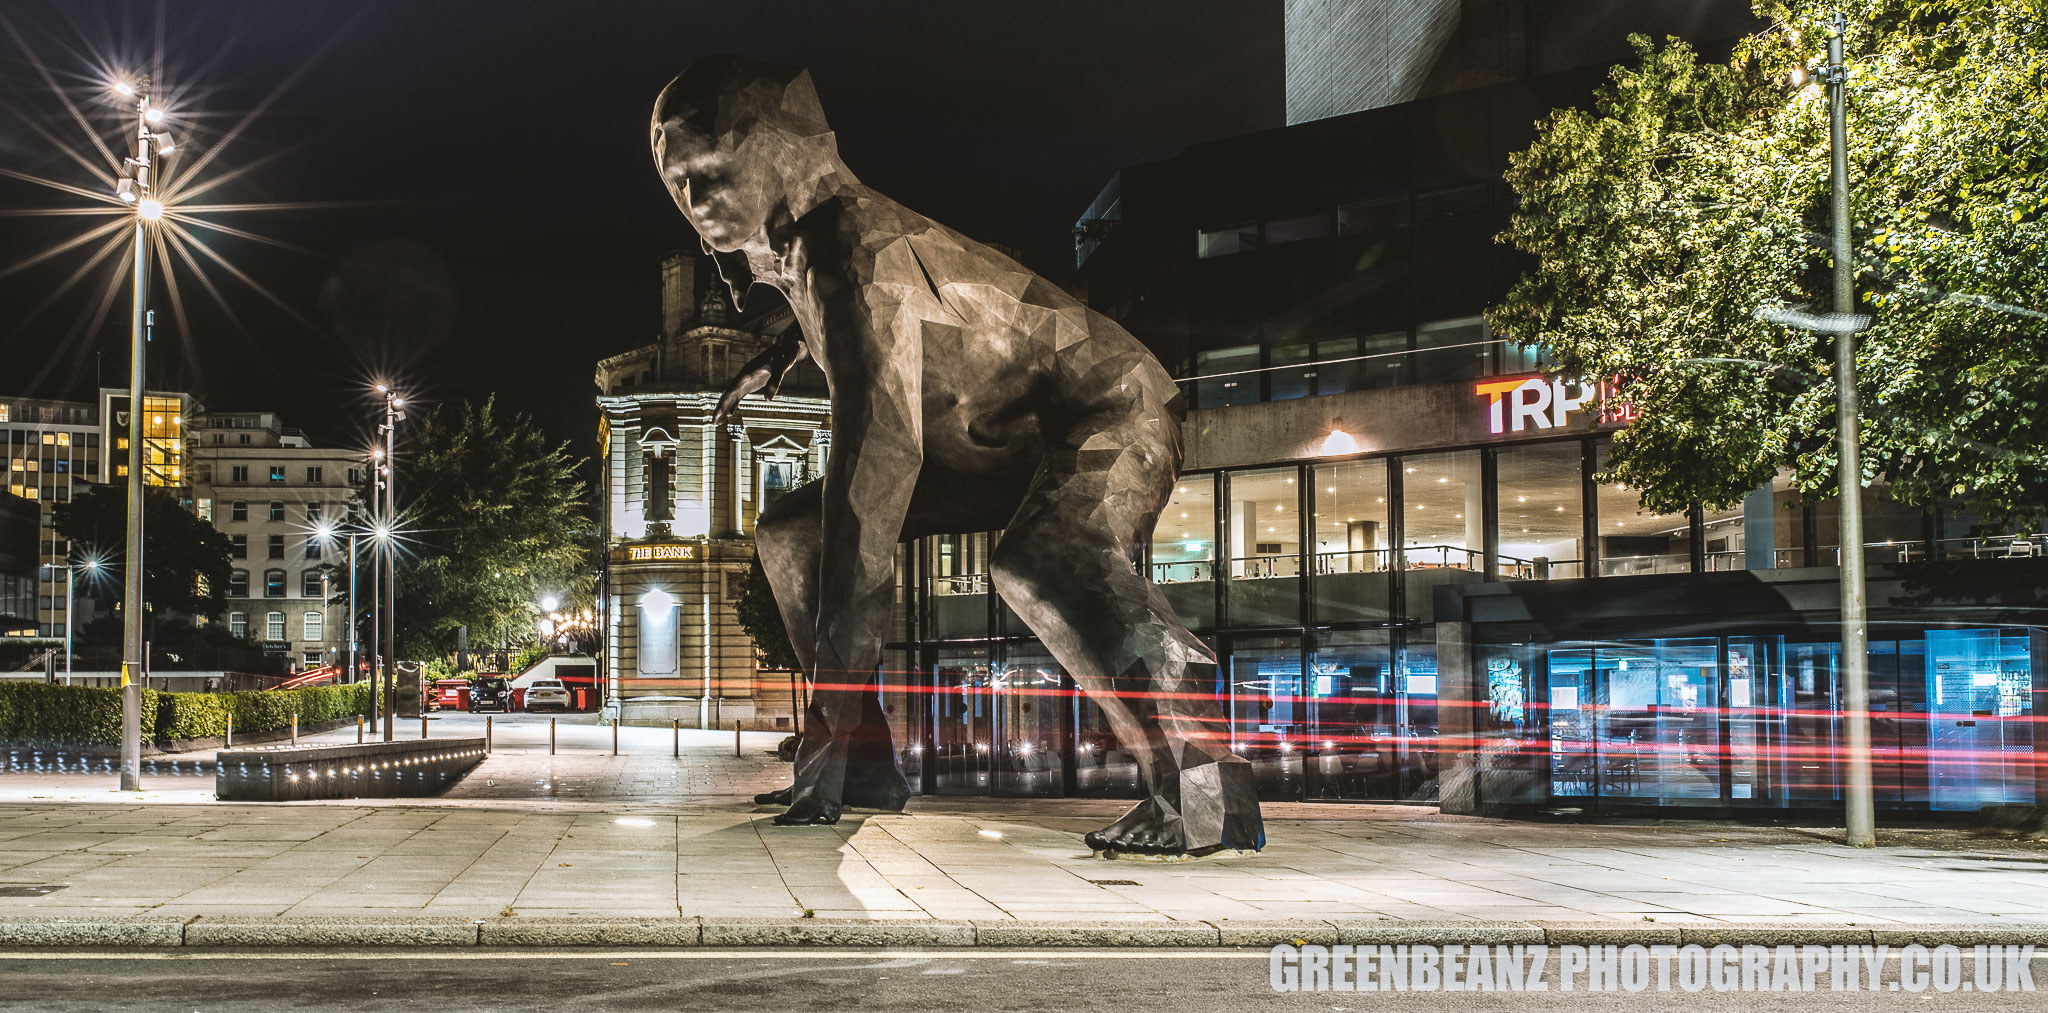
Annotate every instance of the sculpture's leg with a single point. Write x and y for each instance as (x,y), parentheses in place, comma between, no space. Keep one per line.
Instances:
(844,723)
(1065,565)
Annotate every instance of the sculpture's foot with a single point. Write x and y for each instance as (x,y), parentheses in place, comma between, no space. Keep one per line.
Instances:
(810,812)
(1218,811)
(1152,827)
(878,786)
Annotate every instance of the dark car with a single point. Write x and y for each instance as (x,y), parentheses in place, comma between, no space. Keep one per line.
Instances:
(490,693)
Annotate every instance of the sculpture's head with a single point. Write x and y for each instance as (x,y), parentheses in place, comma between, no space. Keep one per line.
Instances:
(736,140)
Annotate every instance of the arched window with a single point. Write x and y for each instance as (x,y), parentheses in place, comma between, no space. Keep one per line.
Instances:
(238,622)
(314,626)
(273,626)
(273,584)
(238,583)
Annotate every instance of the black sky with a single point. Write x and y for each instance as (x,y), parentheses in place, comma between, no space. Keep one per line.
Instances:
(506,141)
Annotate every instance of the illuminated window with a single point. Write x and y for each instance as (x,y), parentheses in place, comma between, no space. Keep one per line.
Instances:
(273,585)
(238,623)
(277,472)
(49,439)
(314,623)
(63,439)
(273,626)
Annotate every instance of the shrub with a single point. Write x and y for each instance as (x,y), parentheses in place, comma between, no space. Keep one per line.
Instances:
(38,714)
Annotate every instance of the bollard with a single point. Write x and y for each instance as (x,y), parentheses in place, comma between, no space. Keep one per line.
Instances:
(551,736)
(487,733)
(615,736)
(676,725)
(423,725)
(735,738)
(295,728)
(359,729)
(231,731)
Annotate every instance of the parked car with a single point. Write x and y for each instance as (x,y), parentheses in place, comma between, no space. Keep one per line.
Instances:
(448,694)
(490,693)
(543,693)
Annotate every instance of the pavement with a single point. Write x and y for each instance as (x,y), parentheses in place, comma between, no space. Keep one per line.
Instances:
(650,849)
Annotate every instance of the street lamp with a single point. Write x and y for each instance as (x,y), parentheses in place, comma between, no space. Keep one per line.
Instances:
(386,474)
(136,187)
(70,600)
(1859,805)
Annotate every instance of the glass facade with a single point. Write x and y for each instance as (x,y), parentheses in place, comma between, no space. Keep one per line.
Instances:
(1754,720)
(1318,584)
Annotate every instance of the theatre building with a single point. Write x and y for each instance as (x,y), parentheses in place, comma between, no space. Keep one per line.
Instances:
(1390,532)
(680,501)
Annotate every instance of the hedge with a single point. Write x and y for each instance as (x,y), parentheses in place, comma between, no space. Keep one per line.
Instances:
(39,714)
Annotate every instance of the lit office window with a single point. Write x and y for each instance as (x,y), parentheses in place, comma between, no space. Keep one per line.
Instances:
(1184,550)
(1443,512)
(1352,553)
(1264,539)
(1634,540)
(1542,516)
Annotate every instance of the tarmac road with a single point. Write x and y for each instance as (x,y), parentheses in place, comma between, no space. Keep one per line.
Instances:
(1051,980)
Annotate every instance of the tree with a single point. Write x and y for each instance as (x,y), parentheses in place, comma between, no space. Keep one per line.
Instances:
(1679,224)
(492,520)
(762,619)
(185,561)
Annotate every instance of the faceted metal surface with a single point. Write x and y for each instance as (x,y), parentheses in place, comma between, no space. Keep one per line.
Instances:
(968,394)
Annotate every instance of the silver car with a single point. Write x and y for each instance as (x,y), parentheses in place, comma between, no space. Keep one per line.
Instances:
(547,693)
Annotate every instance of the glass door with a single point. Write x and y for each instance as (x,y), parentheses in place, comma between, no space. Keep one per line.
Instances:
(1267,716)
(1029,707)
(964,725)
(1350,744)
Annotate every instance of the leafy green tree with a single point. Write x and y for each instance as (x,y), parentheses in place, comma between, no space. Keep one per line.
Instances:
(1683,220)
(762,620)
(492,518)
(185,561)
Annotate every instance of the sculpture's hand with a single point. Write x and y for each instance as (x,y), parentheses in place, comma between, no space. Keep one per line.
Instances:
(764,370)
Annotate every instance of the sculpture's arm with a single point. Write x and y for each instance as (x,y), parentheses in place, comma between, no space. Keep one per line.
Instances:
(877,452)
(764,370)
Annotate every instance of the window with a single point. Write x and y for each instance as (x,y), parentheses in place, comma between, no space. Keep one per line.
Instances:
(314,621)
(205,509)
(3,412)
(238,583)
(276,547)
(238,473)
(1541,513)
(220,438)
(1292,230)
(239,511)
(238,546)
(311,659)
(277,472)
(1443,516)
(1227,240)
(1450,350)
(1238,387)
(238,622)
(273,584)
(313,475)
(312,546)
(1264,539)
(1184,550)
(273,626)
(355,476)
(312,584)
(276,511)
(1351,548)
(243,439)
(313,513)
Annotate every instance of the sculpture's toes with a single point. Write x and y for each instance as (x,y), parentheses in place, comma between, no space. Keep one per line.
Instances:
(1150,828)
(783,796)
(809,812)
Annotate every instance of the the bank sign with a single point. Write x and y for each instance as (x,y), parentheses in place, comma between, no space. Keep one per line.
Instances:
(1522,403)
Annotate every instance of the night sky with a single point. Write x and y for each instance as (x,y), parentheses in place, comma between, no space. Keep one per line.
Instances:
(500,214)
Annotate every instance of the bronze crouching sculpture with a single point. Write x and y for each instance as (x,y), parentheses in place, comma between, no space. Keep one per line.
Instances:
(968,394)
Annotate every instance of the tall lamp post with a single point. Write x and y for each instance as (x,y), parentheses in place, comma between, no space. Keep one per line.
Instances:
(1860,810)
(389,472)
(70,601)
(136,187)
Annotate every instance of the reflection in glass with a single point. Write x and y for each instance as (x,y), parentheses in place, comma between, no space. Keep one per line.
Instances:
(962,721)
(1350,739)
(1028,698)
(1267,719)
(1633,540)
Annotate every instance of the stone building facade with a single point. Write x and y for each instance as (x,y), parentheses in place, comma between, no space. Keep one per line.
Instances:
(680,501)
